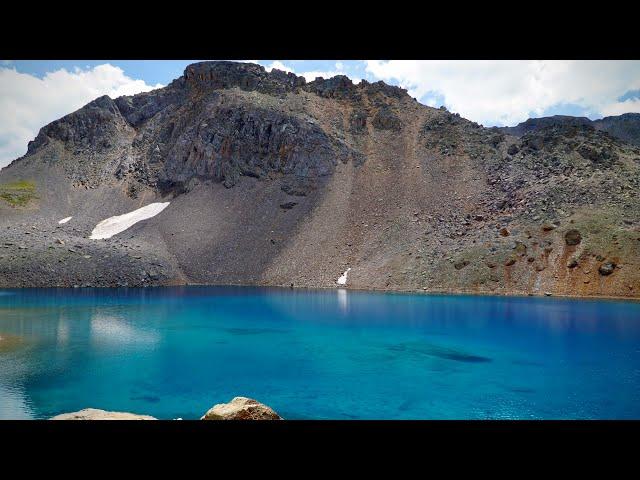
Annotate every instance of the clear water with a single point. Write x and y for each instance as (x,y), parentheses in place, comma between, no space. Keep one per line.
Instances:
(175,352)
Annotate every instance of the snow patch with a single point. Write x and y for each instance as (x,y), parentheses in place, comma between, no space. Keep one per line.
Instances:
(65,220)
(343,279)
(114,225)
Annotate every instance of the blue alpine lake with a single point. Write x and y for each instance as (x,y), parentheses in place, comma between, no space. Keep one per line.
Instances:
(317,354)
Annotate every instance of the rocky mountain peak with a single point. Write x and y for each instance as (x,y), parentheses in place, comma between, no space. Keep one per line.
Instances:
(92,126)
(215,75)
(246,76)
(624,127)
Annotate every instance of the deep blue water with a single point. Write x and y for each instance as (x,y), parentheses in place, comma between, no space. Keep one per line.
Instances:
(332,354)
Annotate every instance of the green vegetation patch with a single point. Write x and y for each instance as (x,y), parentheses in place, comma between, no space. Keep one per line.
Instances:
(19,193)
(604,234)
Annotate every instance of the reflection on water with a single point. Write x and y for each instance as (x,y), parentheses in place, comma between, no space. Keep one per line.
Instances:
(62,335)
(174,352)
(114,330)
(343,300)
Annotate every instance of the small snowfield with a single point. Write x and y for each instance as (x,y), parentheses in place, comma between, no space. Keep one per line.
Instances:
(114,225)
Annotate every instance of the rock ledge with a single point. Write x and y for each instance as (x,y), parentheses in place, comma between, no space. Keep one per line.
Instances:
(97,414)
(241,408)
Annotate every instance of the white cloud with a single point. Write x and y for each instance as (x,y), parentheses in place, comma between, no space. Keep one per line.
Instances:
(279,66)
(312,75)
(339,66)
(27,103)
(507,92)
(618,108)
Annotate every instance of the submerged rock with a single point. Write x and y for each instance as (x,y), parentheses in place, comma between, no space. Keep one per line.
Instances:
(241,408)
(9,342)
(97,414)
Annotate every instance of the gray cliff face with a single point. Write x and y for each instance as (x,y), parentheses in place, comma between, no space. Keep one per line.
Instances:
(229,141)
(273,180)
(95,127)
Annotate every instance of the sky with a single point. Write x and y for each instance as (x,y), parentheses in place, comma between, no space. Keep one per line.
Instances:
(489,92)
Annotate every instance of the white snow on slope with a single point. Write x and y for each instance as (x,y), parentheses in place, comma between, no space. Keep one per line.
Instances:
(343,279)
(65,220)
(114,225)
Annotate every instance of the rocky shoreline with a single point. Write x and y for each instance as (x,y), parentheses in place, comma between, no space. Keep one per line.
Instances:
(239,408)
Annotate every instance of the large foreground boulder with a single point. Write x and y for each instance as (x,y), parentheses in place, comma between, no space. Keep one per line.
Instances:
(96,414)
(241,408)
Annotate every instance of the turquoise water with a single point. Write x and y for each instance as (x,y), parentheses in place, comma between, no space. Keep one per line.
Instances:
(334,354)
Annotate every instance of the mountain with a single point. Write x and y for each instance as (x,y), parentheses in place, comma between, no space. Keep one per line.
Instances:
(262,178)
(625,127)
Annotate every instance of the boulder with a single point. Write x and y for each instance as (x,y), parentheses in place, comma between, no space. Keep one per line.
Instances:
(520,248)
(572,237)
(607,268)
(461,264)
(96,414)
(241,408)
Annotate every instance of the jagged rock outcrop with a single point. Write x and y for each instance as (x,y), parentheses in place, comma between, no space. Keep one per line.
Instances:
(206,76)
(232,141)
(386,119)
(272,180)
